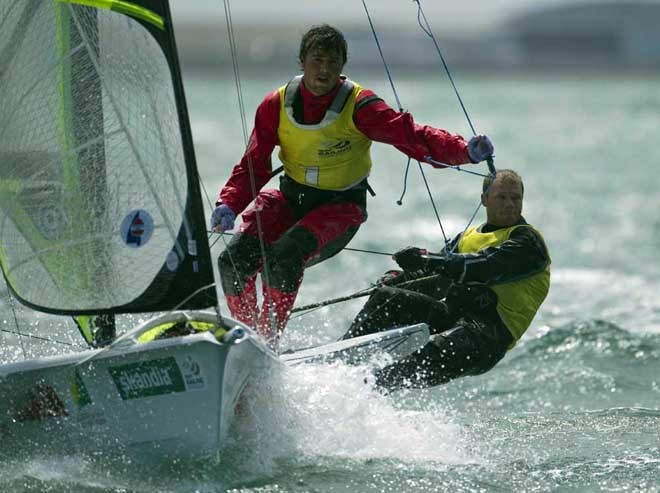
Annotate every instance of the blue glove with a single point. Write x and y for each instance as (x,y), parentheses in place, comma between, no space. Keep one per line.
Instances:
(480,148)
(222,218)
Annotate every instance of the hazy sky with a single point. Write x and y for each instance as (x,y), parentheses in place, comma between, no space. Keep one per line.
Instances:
(454,15)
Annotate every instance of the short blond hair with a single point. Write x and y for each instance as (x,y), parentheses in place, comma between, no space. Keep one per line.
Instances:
(506,175)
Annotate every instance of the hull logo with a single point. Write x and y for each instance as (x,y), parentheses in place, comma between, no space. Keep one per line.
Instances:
(148,378)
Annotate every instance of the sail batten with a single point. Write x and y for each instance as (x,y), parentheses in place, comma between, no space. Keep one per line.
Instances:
(100,208)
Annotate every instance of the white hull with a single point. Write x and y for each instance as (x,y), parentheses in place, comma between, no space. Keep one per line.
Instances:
(172,397)
(169,398)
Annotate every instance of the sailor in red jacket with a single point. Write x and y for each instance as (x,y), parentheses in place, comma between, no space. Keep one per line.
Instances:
(324,124)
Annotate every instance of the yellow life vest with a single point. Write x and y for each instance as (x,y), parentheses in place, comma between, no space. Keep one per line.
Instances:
(517,301)
(332,154)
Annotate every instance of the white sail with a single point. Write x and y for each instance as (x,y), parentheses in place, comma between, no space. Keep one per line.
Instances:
(97,169)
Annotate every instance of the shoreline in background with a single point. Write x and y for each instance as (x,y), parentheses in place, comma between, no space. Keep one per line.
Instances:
(575,38)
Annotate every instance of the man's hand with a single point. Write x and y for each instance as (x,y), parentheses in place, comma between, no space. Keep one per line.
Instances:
(480,148)
(449,266)
(390,277)
(222,219)
(410,259)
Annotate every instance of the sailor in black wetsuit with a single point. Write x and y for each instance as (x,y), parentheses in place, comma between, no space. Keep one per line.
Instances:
(478,302)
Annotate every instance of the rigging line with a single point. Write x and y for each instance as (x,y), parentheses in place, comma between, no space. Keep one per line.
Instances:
(382,56)
(389,76)
(489,161)
(253,187)
(396,95)
(360,294)
(438,164)
(192,295)
(429,32)
(235,66)
(435,209)
(362,250)
(307,309)
(476,210)
(10,298)
(40,338)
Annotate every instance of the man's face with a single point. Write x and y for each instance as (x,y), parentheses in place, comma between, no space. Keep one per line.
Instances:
(321,70)
(503,203)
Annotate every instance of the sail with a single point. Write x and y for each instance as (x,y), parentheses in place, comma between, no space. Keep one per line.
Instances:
(100,208)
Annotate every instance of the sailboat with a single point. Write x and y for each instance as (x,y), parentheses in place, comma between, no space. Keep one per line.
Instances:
(101,214)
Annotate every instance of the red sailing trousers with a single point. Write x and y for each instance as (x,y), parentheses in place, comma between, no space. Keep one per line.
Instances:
(296,235)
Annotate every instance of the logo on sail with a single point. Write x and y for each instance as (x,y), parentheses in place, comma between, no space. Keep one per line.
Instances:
(137,228)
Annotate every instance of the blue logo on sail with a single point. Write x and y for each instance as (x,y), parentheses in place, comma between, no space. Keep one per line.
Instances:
(137,228)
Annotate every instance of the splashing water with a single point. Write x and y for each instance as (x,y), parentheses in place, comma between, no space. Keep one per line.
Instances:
(307,413)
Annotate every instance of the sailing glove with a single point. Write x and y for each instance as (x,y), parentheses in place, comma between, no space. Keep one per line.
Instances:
(450,266)
(390,277)
(480,148)
(222,218)
(410,259)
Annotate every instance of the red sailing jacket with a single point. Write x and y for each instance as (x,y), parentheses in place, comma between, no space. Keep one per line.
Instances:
(378,121)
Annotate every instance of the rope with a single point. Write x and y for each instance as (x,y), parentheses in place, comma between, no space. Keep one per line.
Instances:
(421,170)
(426,27)
(10,299)
(435,209)
(360,294)
(253,186)
(429,33)
(361,250)
(21,335)
(40,338)
(396,95)
(438,164)
(382,56)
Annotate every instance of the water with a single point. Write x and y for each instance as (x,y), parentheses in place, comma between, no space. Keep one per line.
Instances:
(574,407)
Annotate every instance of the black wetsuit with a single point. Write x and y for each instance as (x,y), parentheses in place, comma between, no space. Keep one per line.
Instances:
(468,335)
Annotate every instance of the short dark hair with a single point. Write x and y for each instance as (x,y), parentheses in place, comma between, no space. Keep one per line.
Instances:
(504,175)
(326,38)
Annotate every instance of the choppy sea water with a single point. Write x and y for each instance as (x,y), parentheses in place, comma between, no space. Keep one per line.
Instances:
(574,407)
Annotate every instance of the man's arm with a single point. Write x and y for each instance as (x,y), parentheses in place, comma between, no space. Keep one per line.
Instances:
(379,122)
(237,192)
(522,255)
